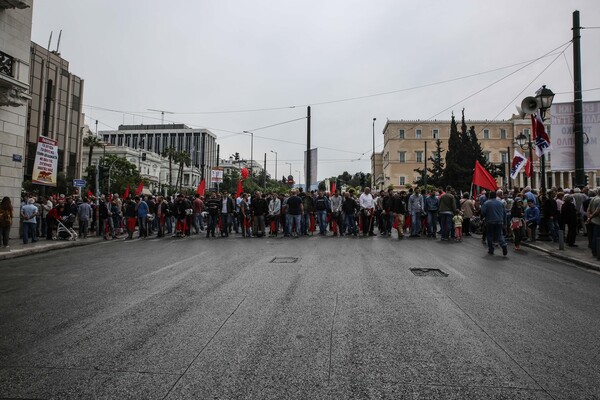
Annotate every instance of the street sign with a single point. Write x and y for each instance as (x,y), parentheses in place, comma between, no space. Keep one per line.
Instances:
(79,183)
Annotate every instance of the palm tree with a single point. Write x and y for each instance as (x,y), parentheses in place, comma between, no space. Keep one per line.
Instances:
(170,153)
(92,141)
(183,158)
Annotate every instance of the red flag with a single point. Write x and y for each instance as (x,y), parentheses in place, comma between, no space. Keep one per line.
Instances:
(240,189)
(90,194)
(313,225)
(126,195)
(201,188)
(139,189)
(528,168)
(333,187)
(483,178)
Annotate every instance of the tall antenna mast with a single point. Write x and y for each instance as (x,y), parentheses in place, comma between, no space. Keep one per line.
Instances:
(50,40)
(58,44)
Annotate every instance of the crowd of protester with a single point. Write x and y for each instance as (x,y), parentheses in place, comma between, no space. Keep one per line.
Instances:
(517,215)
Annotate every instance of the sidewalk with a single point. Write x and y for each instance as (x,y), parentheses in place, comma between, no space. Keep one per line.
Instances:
(18,249)
(581,255)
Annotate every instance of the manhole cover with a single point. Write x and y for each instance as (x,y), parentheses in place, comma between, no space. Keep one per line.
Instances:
(284,260)
(428,272)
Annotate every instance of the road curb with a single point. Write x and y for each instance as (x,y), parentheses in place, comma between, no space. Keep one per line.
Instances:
(44,249)
(563,257)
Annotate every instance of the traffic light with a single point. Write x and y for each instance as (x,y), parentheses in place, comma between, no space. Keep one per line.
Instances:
(237,156)
(143,156)
(585,180)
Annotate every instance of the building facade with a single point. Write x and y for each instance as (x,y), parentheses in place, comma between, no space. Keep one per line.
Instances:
(50,80)
(15,43)
(405,142)
(200,144)
(153,168)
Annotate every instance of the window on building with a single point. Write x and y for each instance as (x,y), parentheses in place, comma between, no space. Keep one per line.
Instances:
(487,155)
(401,134)
(435,133)
(502,133)
(503,156)
(402,156)
(486,133)
(419,156)
(402,181)
(418,134)
(526,131)
(120,140)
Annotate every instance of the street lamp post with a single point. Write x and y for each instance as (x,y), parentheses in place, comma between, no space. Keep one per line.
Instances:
(373,175)
(299,178)
(276,176)
(524,143)
(290,164)
(251,152)
(545,97)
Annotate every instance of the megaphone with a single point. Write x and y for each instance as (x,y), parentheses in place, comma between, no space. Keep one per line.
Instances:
(530,105)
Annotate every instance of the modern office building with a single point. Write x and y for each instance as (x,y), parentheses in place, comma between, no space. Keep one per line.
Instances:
(55,89)
(200,144)
(15,43)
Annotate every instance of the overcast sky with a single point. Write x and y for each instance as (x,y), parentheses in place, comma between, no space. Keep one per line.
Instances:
(270,59)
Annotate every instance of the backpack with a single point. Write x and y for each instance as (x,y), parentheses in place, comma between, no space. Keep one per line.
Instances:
(5,219)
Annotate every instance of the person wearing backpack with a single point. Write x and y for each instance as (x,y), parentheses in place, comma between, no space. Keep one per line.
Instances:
(6,216)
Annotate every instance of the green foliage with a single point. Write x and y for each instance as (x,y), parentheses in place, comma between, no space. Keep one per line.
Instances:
(92,141)
(436,172)
(170,153)
(122,173)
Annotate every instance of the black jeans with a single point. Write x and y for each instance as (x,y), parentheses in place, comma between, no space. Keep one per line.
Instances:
(5,235)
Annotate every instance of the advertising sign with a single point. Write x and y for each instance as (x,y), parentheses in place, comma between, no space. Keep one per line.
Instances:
(563,139)
(216,175)
(46,162)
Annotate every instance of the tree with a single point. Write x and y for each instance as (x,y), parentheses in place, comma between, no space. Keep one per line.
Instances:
(436,172)
(170,153)
(183,159)
(455,173)
(92,141)
(122,174)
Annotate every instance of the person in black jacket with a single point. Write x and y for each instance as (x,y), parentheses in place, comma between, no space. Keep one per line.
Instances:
(259,208)
(349,209)
(551,215)
(212,207)
(568,217)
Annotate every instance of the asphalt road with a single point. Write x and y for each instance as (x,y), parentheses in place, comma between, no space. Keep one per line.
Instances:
(216,318)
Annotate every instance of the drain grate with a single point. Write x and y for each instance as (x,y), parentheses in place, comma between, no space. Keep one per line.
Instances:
(284,260)
(428,272)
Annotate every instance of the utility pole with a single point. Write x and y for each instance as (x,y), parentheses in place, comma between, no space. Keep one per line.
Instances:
(265,173)
(578,103)
(308,155)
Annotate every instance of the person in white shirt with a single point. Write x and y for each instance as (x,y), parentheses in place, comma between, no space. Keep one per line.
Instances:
(367,211)
(274,213)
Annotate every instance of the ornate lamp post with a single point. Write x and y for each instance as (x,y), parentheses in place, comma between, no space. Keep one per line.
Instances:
(545,97)
(524,143)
